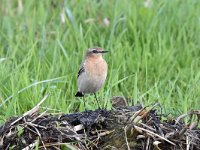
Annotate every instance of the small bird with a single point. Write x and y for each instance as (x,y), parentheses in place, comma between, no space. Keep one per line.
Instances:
(92,73)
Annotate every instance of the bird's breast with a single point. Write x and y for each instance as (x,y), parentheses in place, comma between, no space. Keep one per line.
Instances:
(96,68)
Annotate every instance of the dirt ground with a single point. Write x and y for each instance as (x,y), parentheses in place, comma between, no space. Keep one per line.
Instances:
(123,127)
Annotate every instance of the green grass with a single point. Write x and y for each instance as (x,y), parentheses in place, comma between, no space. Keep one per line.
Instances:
(154,53)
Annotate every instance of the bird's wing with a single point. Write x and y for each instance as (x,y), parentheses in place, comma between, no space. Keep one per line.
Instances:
(81,70)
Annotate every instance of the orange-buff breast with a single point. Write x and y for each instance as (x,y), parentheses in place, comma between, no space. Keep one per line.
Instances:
(96,67)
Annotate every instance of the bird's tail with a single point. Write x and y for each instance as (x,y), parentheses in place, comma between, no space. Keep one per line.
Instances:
(79,94)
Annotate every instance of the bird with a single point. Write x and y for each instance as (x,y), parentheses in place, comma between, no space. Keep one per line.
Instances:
(92,73)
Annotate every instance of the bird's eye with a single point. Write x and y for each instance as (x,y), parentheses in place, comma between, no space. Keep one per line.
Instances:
(95,51)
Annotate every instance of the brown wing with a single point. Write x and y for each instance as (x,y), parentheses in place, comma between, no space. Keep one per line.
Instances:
(81,70)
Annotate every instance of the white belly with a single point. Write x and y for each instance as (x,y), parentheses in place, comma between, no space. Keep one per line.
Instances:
(88,84)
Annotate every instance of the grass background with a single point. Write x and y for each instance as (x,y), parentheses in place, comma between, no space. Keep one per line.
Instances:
(154,52)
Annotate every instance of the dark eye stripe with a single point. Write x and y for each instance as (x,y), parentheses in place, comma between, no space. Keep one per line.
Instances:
(95,51)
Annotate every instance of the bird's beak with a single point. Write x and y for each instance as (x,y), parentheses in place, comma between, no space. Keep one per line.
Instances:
(103,51)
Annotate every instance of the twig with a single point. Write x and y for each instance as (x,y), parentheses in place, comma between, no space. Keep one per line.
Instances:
(192,136)
(35,125)
(136,114)
(105,133)
(156,144)
(125,129)
(34,109)
(39,136)
(156,135)
(187,142)
(68,145)
(181,117)
(193,112)
(150,128)
(30,146)
(30,112)
(143,115)
(148,140)
(43,113)
(78,127)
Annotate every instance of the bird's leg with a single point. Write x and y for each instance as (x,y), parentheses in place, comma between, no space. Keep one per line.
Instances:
(97,100)
(84,103)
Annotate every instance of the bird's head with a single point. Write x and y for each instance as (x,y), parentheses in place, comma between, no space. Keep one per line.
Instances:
(95,52)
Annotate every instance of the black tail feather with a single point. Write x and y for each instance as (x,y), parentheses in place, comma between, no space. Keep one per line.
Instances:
(79,94)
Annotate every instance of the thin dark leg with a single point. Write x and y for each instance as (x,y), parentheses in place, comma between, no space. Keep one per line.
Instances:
(97,100)
(84,103)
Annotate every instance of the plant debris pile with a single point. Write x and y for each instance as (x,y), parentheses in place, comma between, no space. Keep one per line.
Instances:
(124,127)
